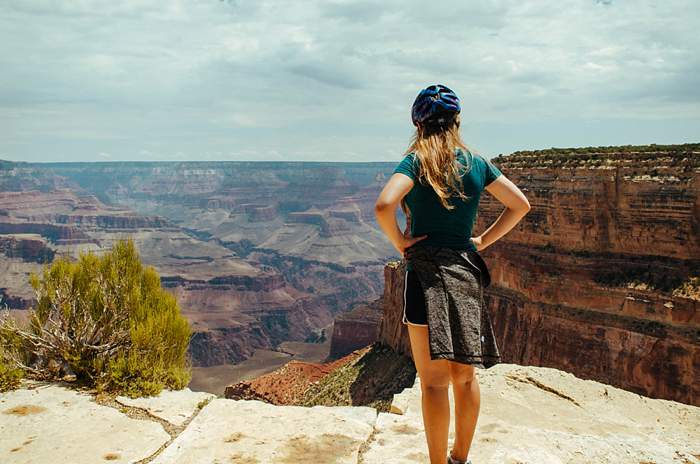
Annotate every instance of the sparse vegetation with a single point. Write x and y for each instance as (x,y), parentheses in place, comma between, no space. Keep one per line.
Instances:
(647,277)
(683,157)
(689,289)
(203,403)
(370,380)
(10,373)
(10,376)
(104,321)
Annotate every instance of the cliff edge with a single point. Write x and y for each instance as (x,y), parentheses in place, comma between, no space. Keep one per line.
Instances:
(528,415)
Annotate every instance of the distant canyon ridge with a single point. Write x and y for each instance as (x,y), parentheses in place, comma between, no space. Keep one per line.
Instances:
(601,278)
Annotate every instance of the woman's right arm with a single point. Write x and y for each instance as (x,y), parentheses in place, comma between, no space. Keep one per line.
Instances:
(516,207)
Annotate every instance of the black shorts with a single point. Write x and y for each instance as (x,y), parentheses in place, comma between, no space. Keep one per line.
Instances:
(414,311)
(414,302)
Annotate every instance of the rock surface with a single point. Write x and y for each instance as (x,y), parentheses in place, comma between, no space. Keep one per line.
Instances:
(286,385)
(356,328)
(543,415)
(52,424)
(251,431)
(528,415)
(171,406)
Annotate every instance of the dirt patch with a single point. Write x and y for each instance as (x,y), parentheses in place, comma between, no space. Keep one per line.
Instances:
(234,437)
(240,458)
(25,410)
(406,429)
(111,456)
(326,449)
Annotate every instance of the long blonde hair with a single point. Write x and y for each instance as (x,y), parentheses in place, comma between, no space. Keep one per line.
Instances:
(434,148)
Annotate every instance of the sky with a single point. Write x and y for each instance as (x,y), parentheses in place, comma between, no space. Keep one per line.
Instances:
(175,80)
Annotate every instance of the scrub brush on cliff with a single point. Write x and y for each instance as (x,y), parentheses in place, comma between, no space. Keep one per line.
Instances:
(451,460)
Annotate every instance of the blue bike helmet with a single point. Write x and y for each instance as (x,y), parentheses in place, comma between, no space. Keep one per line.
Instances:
(435,105)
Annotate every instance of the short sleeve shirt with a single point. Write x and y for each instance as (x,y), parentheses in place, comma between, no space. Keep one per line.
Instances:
(448,228)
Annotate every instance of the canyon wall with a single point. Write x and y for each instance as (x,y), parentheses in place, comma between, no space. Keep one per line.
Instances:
(602,277)
(356,328)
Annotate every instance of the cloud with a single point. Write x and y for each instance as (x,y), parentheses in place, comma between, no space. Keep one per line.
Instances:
(250,77)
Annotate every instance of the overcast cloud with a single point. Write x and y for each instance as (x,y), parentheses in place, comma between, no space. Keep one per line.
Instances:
(280,80)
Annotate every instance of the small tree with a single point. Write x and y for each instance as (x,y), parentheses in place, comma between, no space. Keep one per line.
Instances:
(104,320)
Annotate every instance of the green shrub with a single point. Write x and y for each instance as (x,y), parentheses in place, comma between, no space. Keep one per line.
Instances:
(9,375)
(106,321)
(11,357)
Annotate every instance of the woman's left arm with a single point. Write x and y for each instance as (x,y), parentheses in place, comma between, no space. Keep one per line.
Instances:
(385,211)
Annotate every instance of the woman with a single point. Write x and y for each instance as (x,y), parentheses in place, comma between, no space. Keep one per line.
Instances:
(438,184)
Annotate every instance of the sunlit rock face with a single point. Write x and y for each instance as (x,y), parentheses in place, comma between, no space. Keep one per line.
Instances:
(600,279)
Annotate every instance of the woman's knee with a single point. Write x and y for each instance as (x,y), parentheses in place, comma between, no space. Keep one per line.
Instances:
(462,373)
(435,377)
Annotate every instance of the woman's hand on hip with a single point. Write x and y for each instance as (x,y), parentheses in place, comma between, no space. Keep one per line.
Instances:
(477,243)
(408,242)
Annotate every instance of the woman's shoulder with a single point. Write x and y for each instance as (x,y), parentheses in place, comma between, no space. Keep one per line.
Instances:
(475,155)
(408,165)
(478,159)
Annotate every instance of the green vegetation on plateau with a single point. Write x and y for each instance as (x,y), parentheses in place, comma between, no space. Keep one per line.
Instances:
(685,156)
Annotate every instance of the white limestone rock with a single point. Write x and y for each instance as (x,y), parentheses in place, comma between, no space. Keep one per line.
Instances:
(247,431)
(52,424)
(544,415)
(405,399)
(174,406)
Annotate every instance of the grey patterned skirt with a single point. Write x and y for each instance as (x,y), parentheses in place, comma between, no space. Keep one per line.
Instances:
(452,283)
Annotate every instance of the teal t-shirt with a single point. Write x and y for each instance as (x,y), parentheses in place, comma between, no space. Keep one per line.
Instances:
(448,228)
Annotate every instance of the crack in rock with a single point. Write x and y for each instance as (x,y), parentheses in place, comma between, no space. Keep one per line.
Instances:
(364,447)
(533,381)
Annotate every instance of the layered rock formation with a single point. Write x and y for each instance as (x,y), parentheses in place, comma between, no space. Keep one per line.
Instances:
(601,278)
(230,240)
(289,384)
(356,328)
(604,267)
(369,376)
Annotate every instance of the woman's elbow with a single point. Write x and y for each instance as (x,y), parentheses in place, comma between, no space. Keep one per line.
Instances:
(381,205)
(520,207)
(525,207)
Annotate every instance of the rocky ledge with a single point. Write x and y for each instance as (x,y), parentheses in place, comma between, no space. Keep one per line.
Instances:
(528,415)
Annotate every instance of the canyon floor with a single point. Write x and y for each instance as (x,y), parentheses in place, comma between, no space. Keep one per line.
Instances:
(528,415)
(215,379)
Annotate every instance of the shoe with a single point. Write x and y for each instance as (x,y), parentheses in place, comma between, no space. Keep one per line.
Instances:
(451,460)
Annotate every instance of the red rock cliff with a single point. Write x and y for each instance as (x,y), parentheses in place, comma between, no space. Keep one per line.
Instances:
(602,277)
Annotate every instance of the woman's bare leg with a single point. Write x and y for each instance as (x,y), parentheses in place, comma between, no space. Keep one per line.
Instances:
(465,386)
(434,381)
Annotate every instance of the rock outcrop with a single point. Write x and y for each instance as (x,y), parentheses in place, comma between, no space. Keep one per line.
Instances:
(369,376)
(527,415)
(27,247)
(356,328)
(288,384)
